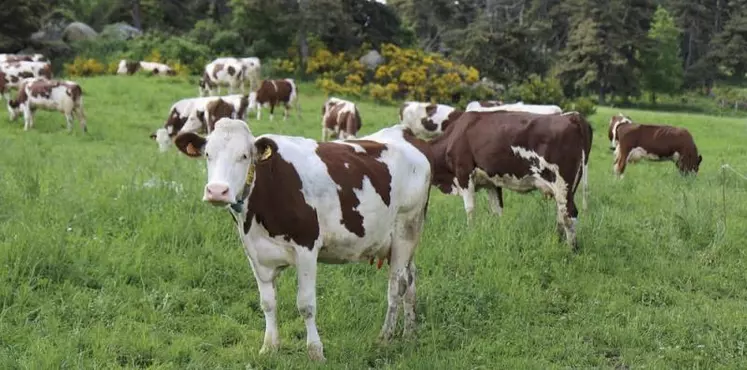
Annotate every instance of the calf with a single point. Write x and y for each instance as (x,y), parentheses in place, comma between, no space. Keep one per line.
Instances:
(188,115)
(340,119)
(129,67)
(55,95)
(13,73)
(222,71)
(633,142)
(23,57)
(275,92)
(519,151)
(297,202)
(516,107)
(426,119)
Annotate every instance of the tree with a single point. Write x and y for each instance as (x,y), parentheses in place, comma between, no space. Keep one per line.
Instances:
(18,19)
(730,46)
(662,65)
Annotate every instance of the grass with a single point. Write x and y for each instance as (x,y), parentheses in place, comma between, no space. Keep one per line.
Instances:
(101,268)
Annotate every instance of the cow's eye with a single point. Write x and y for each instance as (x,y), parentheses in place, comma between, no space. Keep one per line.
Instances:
(245,157)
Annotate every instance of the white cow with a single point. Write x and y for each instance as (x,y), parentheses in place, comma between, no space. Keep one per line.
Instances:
(56,95)
(297,202)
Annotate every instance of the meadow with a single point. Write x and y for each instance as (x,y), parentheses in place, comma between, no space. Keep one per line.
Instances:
(110,259)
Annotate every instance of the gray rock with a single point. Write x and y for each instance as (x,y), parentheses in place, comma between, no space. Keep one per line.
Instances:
(78,31)
(372,59)
(120,31)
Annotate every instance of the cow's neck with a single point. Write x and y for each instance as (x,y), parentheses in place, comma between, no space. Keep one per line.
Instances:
(238,205)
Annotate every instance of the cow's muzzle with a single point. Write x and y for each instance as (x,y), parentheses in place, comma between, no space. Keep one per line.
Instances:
(217,194)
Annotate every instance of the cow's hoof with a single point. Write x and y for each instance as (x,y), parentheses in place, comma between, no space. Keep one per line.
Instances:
(269,348)
(316,351)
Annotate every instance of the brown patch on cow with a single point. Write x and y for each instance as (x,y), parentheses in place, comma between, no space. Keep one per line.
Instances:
(277,202)
(14,79)
(3,82)
(453,116)
(170,72)
(43,88)
(19,58)
(155,71)
(662,141)
(25,74)
(217,67)
(46,71)
(132,66)
(175,121)
(74,91)
(231,71)
(347,168)
(216,110)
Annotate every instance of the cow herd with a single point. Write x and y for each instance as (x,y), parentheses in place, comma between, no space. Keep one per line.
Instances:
(297,201)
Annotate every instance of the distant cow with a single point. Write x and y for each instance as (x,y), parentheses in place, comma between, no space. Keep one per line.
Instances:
(340,119)
(427,119)
(222,72)
(54,95)
(13,73)
(633,142)
(129,67)
(475,105)
(272,93)
(251,69)
(519,151)
(23,57)
(516,107)
(188,115)
(297,202)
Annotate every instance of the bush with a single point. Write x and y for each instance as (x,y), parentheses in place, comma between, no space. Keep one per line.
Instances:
(85,67)
(539,91)
(583,105)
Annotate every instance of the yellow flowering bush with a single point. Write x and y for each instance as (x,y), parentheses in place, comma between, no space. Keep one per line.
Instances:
(85,67)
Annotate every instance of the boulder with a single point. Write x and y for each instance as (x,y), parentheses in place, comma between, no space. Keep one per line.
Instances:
(120,31)
(78,31)
(372,59)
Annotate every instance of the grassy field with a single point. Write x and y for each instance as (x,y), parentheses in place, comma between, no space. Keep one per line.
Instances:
(109,258)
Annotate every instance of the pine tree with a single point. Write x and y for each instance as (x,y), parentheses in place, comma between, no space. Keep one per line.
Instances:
(662,64)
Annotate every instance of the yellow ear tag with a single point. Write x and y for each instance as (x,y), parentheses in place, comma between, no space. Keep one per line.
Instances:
(266,154)
(250,175)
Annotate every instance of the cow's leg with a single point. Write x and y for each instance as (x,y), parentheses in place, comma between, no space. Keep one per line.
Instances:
(69,120)
(265,277)
(306,265)
(409,306)
(272,110)
(259,110)
(324,133)
(468,195)
(286,108)
(621,160)
(28,117)
(495,198)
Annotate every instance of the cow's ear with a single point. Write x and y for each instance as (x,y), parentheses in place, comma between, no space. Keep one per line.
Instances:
(190,144)
(700,159)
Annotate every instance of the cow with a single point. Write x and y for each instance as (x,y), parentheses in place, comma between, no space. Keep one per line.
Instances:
(129,67)
(252,71)
(188,115)
(427,120)
(633,142)
(272,93)
(297,202)
(220,72)
(23,58)
(515,107)
(475,105)
(519,151)
(55,95)
(13,73)
(340,119)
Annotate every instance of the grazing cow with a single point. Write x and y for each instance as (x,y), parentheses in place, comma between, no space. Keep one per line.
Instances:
(129,67)
(633,142)
(297,202)
(475,105)
(275,92)
(340,119)
(252,72)
(55,95)
(188,115)
(220,72)
(426,119)
(519,151)
(23,57)
(13,73)
(516,107)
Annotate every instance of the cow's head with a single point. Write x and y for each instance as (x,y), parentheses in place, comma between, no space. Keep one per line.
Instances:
(230,153)
(161,136)
(615,123)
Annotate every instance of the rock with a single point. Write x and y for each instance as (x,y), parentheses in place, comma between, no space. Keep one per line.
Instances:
(372,59)
(120,31)
(78,31)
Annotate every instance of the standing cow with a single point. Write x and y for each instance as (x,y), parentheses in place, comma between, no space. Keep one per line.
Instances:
(427,120)
(222,72)
(54,95)
(519,151)
(340,119)
(297,202)
(275,92)
(633,142)
(12,74)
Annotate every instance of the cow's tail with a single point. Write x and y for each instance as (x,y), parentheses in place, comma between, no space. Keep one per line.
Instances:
(584,178)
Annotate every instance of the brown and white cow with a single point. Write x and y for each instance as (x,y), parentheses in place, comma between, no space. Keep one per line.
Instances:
(55,95)
(23,57)
(13,73)
(515,107)
(129,67)
(297,202)
(633,142)
(340,119)
(518,151)
(427,120)
(222,72)
(272,93)
(475,105)
(188,115)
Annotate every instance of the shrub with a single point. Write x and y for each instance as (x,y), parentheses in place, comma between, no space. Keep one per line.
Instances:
(583,105)
(537,90)
(85,67)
